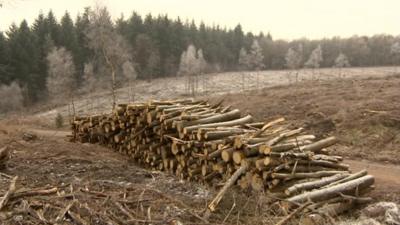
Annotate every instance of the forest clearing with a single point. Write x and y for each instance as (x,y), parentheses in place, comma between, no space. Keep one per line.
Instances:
(209,112)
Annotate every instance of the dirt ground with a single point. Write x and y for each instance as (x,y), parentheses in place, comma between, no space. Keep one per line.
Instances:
(362,113)
(51,161)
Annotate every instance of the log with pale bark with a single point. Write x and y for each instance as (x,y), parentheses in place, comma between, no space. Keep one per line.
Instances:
(336,190)
(315,184)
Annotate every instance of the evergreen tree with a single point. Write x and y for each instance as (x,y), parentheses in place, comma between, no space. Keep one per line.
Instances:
(69,40)
(53,28)
(68,37)
(135,27)
(24,58)
(83,54)
(144,46)
(45,43)
(238,40)
(5,68)
(153,64)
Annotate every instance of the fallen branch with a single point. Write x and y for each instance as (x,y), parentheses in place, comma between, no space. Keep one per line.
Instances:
(9,193)
(292,214)
(64,211)
(214,203)
(23,194)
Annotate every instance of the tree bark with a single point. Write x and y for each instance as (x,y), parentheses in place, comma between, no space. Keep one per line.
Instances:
(318,174)
(317,146)
(314,184)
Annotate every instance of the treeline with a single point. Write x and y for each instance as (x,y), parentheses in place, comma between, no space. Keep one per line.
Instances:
(156,44)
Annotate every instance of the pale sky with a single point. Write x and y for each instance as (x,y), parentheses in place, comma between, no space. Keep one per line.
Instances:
(287,19)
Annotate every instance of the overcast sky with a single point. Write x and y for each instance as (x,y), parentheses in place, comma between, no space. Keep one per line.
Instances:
(287,19)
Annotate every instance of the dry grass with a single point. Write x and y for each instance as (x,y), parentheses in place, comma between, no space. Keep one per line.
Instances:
(210,84)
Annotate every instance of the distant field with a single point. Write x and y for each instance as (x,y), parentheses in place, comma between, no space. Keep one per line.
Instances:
(216,84)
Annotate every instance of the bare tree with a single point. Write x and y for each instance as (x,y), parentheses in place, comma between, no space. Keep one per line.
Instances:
(188,67)
(202,67)
(130,74)
(89,82)
(7,2)
(11,97)
(315,59)
(105,41)
(293,60)
(256,56)
(255,59)
(340,62)
(395,50)
(244,65)
(61,81)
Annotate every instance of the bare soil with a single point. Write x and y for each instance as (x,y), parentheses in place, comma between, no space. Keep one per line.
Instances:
(95,177)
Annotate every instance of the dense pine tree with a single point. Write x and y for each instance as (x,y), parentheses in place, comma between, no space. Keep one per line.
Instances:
(83,54)
(24,58)
(5,69)
(157,43)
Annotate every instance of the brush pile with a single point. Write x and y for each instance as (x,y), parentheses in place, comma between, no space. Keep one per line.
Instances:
(207,143)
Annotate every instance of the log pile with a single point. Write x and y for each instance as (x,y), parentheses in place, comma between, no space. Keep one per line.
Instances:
(202,142)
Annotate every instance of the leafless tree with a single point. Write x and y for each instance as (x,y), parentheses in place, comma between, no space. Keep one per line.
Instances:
(89,82)
(11,97)
(7,2)
(188,67)
(340,62)
(395,50)
(293,60)
(255,59)
(244,65)
(61,81)
(130,74)
(315,59)
(105,41)
(202,67)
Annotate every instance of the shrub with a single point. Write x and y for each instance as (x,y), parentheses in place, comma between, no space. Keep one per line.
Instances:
(59,120)
(11,97)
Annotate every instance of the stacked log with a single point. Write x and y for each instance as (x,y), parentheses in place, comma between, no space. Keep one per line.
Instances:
(198,141)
